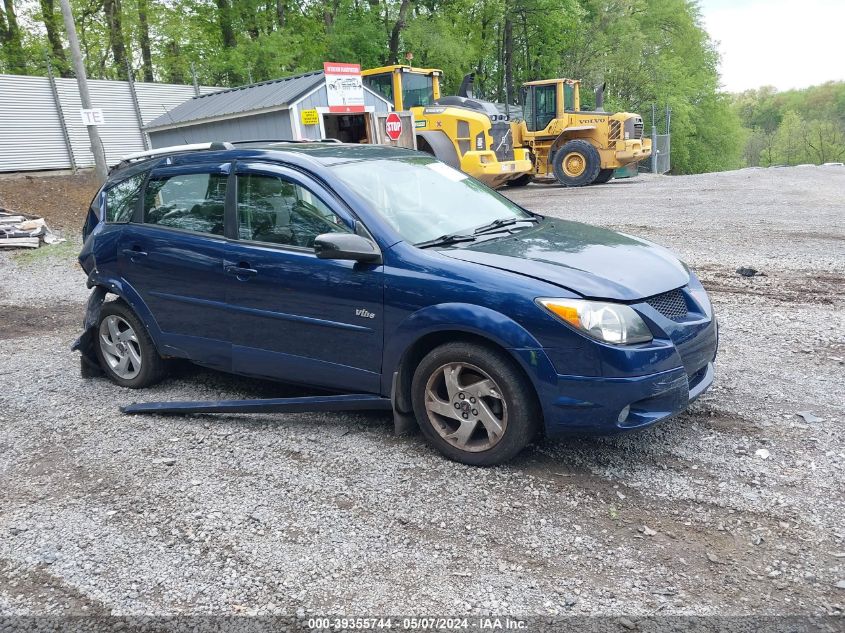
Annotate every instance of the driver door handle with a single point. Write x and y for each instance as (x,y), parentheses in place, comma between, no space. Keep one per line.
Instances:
(241,271)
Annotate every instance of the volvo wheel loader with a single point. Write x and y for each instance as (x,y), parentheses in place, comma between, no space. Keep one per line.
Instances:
(577,147)
(466,133)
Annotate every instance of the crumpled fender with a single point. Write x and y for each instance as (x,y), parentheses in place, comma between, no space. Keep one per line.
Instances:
(90,365)
(101,287)
(471,319)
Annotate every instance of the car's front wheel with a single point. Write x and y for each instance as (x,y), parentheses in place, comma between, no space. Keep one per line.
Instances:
(125,350)
(474,404)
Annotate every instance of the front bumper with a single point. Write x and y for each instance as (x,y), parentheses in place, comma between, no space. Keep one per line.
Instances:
(486,167)
(600,405)
(632,150)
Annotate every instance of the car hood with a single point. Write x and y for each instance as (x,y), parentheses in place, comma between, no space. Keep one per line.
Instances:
(589,260)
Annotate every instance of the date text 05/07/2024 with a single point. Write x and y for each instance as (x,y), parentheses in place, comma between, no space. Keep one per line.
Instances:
(416,624)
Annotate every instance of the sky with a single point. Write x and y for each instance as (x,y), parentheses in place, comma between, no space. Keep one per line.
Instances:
(781,43)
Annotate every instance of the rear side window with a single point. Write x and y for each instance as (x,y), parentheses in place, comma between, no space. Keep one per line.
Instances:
(193,202)
(122,199)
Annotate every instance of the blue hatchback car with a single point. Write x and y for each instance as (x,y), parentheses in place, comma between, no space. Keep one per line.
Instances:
(381,271)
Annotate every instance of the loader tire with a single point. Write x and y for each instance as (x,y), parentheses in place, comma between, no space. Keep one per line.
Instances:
(576,164)
(522,181)
(604,176)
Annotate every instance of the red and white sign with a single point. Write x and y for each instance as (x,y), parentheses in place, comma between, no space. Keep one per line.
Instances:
(344,87)
(393,126)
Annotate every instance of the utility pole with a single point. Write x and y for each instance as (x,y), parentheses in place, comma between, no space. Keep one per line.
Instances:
(101,169)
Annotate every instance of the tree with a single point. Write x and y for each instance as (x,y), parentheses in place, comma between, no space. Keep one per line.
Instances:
(52,25)
(144,41)
(789,143)
(10,38)
(114,19)
(825,141)
(396,31)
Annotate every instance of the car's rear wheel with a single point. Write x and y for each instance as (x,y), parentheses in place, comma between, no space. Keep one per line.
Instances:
(474,404)
(125,350)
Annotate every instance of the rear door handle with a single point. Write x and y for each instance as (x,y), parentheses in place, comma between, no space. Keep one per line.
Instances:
(132,253)
(241,272)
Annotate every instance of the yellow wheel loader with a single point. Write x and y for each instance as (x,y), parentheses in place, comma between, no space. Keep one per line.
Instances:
(574,146)
(468,134)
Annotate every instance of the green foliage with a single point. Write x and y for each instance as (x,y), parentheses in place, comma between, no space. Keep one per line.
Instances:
(647,51)
(793,127)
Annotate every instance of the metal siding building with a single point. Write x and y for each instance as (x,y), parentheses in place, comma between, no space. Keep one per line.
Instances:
(33,120)
(271,125)
(267,110)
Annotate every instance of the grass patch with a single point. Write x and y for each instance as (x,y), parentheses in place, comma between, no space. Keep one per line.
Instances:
(65,250)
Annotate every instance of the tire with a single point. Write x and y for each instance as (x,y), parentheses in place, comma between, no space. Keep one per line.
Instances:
(576,164)
(460,381)
(142,364)
(523,180)
(604,176)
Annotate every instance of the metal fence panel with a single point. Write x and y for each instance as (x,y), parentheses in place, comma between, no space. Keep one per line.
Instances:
(30,132)
(120,132)
(663,163)
(661,160)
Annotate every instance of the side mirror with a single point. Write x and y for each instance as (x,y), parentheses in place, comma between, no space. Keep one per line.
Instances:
(346,246)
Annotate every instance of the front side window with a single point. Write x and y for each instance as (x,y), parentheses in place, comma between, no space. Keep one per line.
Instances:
(423,199)
(274,210)
(122,198)
(417,90)
(381,84)
(193,202)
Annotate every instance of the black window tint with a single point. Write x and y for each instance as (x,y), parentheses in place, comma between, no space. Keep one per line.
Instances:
(546,99)
(194,202)
(277,211)
(381,84)
(417,90)
(122,199)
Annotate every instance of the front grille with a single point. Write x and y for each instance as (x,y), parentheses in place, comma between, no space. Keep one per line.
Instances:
(638,129)
(670,304)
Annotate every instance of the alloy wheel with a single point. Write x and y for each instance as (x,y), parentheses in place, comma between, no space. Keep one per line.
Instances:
(120,347)
(466,407)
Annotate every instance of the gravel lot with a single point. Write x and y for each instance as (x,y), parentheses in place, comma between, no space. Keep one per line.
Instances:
(285,514)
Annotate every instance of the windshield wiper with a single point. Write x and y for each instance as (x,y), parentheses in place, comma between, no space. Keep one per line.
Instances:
(502,222)
(446,240)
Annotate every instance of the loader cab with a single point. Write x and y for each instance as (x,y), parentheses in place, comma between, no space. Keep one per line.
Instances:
(547,100)
(404,86)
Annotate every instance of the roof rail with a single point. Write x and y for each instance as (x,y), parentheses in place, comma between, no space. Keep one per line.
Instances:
(176,148)
(286,140)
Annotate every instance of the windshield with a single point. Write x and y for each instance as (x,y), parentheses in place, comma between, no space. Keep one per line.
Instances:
(417,90)
(381,84)
(423,199)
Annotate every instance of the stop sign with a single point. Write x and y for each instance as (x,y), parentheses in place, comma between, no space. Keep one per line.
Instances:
(393,126)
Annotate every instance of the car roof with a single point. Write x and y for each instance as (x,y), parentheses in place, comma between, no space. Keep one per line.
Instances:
(315,153)
(330,153)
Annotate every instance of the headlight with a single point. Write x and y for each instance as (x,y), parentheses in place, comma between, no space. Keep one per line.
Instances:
(609,322)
